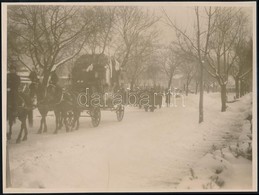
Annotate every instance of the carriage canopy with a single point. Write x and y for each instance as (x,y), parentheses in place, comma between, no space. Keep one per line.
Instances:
(95,70)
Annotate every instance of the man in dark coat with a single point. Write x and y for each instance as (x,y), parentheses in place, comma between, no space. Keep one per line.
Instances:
(13,83)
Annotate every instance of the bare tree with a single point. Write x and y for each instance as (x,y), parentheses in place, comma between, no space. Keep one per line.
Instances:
(188,69)
(209,82)
(198,45)
(171,64)
(100,37)
(47,33)
(132,24)
(154,68)
(222,55)
(139,59)
(103,29)
(135,35)
(243,65)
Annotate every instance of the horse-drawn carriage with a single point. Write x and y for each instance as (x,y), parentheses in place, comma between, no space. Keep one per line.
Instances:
(95,83)
(94,87)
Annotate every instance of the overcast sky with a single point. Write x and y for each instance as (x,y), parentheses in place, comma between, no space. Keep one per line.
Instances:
(184,17)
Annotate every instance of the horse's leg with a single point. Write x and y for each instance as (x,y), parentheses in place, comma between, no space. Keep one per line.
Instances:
(77,123)
(64,116)
(41,123)
(45,124)
(74,119)
(61,120)
(18,140)
(74,122)
(77,120)
(25,130)
(57,122)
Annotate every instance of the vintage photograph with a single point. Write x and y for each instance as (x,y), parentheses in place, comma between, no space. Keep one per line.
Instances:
(129,97)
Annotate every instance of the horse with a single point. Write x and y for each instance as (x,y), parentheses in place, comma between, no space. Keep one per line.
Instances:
(48,99)
(62,102)
(23,111)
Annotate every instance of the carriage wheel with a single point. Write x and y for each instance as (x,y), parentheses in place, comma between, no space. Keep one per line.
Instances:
(96,116)
(69,121)
(120,112)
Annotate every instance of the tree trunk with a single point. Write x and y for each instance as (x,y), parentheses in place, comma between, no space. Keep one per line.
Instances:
(46,75)
(196,89)
(237,87)
(169,82)
(241,88)
(213,87)
(187,88)
(223,98)
(245,88)
(201,95)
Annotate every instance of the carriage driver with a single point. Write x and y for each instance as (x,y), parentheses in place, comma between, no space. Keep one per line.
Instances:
(13,83)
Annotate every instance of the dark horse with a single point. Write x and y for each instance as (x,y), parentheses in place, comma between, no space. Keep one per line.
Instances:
(22,112)
(48,99)
(53,98)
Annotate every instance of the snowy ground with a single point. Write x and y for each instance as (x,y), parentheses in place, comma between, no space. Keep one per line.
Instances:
(162,151)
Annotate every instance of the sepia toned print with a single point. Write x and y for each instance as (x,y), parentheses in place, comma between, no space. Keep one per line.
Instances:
(129,97)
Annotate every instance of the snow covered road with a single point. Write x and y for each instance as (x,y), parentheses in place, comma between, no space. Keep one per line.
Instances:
(145,152)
